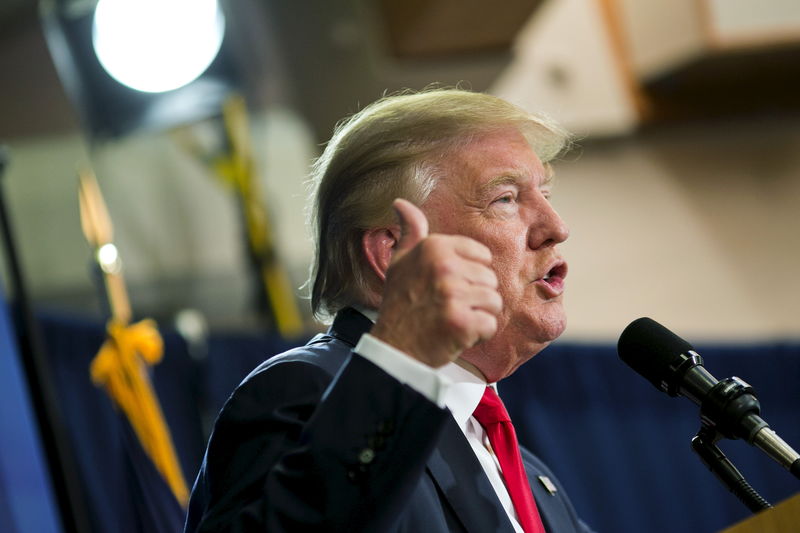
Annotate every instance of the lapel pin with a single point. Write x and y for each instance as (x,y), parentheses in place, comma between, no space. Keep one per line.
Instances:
(551,488)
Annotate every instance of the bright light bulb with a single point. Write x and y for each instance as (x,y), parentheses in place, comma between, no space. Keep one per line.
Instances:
(157,45)
(108,258)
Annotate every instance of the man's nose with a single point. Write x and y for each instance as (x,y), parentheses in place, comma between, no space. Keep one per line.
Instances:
(547,228)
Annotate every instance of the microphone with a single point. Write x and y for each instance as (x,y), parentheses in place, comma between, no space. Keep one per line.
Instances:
(673,366)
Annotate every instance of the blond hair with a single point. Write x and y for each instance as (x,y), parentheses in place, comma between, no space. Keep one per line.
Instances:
(390,150)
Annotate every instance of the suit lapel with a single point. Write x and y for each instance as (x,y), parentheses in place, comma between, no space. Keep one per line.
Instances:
(459,476)
(551,506)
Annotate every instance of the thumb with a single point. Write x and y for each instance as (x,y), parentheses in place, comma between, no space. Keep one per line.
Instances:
(413,224)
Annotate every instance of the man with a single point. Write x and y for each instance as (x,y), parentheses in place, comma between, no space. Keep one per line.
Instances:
(432,220)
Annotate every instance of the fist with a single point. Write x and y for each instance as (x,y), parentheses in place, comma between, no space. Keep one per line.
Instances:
(440,296)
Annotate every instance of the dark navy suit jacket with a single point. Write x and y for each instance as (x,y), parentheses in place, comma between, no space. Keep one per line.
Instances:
(320,439)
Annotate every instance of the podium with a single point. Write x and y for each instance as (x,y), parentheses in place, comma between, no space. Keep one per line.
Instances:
(783,518)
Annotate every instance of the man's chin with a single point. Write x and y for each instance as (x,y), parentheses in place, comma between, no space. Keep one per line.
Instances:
(547,326)
(555,330)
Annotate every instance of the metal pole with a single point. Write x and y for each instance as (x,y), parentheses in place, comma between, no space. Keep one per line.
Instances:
(55,442)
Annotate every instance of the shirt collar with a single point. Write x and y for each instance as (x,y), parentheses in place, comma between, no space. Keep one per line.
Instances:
(464,393)
(372,314)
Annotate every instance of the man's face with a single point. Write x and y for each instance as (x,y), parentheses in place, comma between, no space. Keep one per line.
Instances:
(496,191)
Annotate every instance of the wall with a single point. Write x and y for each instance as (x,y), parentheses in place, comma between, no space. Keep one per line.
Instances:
(695,226)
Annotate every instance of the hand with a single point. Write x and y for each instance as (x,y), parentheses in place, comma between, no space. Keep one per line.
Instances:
(440,295)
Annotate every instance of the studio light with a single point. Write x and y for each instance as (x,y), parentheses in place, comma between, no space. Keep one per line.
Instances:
(138,65)
(157,45)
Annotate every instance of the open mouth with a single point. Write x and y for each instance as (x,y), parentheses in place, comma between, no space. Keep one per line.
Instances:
(558,272)
(553,280)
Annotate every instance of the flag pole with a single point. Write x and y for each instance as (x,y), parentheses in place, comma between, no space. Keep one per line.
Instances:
(121,365)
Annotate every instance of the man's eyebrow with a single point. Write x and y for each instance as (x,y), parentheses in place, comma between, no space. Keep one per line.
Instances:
(513,178)
(505,179)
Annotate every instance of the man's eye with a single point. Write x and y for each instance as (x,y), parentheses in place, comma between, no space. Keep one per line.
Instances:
(505,199)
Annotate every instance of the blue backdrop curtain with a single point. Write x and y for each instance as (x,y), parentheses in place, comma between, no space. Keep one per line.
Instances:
(27,501)
(124,491)
(620,447)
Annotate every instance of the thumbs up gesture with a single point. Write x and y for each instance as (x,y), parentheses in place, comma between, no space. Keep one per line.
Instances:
(440,295)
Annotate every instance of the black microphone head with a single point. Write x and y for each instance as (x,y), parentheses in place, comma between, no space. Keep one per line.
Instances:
(654,352)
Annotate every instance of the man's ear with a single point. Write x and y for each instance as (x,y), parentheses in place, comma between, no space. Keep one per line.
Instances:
(378,245)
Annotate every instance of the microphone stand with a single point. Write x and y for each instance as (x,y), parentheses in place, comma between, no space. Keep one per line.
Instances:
(704,444)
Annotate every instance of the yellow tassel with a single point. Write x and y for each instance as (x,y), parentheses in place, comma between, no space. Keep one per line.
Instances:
(121,367)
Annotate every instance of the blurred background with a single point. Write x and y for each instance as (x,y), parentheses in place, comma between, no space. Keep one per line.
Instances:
(682,194)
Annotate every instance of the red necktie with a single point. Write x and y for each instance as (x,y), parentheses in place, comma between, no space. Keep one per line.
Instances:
(492,415)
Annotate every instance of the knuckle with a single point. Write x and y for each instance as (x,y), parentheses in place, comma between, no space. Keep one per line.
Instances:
(446,289)
(426,247)
(490,327)
(484,328)
(490,300)
(498,300)
(490,277)
(479,251)
(486,252)
(433,243)
(445,266)
(434,239)
(453,318)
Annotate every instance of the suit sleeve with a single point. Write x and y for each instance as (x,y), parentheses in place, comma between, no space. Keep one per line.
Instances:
(294,451)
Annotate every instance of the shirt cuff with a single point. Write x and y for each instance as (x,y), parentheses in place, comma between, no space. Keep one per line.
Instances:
(404,368)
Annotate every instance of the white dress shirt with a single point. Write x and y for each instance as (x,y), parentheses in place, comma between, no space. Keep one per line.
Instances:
(450,386)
